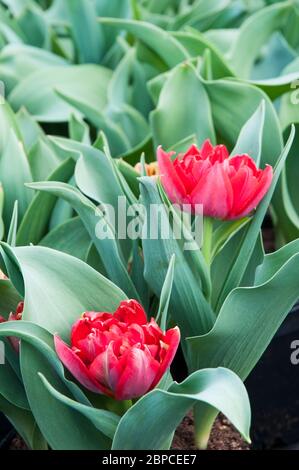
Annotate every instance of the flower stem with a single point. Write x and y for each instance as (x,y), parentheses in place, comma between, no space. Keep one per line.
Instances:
(207,239)
(204,417)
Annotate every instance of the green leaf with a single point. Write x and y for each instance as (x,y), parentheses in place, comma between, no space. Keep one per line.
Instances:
(167,47)
(172,121)
(196,44)
(66,274)
(70,237)
(246,248)
(253,33)
(247,321)
(251,135)
(86,32)
(104,421)
(188,305)
(35,221)
(217,387)
(91,216)
(37,91)
(24,423)
(229,119)
(12,233)
(165,295)
(13,181)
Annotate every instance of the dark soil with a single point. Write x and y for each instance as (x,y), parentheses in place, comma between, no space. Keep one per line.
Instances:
(17,443)
(223,436)
(269,239)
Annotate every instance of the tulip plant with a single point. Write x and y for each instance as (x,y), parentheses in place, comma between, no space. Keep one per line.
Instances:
(127,106)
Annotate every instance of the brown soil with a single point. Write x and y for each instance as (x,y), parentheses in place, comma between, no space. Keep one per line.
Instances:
(223,436)
(17,443)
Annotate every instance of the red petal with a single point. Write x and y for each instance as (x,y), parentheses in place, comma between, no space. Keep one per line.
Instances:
(256,192)
(206,149)
(139,373)
(172,339)
(172,184)
(130,311)
(106,368)
(214,192)
(77,367)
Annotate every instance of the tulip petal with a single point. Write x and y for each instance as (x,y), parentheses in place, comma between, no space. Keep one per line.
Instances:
(74,364)
(262,187)
(172,339)
(138,375)
(130,311)
(173,185)
(214,192)
(106,368)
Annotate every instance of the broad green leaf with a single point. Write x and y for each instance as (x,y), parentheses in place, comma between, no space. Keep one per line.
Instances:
(94,220)
(9,298)
(17,61)
(172,120)
(35,221)
(251,136)
(37,91)
(166,46)
(217,387)
(196,44)
(42,159)
(245,249)
(12,158)
(229,118)
(253,33)
(79,130)
(247,321)
(65,289)
(105,421)
(24,423)
(71,237)
(87,33)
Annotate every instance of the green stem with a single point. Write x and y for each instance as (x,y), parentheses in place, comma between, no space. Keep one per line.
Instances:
(207,239)
(204,417)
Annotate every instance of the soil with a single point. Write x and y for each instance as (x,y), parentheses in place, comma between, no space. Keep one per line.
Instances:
(269,239)
(17,443)
(223,436)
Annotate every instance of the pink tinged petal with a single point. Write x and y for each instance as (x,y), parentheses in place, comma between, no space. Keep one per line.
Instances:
(170,343)
(171,182)
(138,375)
(76,366)
(106,368)
(2,319)
(193,151)
(206,149)
(220,154)
(214,192)
(261,188)
(130,311)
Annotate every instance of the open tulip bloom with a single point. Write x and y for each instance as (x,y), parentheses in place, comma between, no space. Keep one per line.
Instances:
(121,354)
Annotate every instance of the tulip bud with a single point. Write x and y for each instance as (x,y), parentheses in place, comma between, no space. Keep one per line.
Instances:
(121,354)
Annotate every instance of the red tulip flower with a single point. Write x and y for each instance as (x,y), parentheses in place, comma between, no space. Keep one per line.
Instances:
(226,187)
(17,315)
(121,354)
